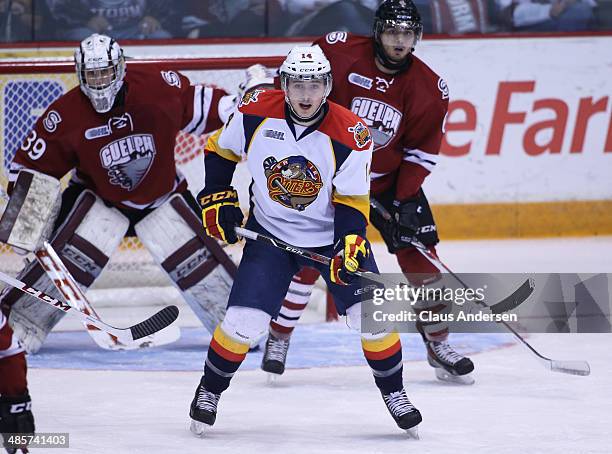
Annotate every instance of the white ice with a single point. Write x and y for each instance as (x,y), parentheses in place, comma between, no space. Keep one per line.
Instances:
(515,405)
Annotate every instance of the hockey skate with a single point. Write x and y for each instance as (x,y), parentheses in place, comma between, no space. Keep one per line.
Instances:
(404,413)
(274,357)
(203,411)
(449,365)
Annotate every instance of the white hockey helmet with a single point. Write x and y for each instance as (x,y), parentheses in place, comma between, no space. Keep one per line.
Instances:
(306,63)
(100,67)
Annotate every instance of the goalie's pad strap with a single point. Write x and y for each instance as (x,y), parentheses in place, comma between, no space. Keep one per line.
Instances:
(196,264)
(196,226)
(84,242)
(31,212)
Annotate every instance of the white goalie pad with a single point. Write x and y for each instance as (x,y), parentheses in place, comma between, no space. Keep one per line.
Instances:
(85,241)
(195,263)
(30,214)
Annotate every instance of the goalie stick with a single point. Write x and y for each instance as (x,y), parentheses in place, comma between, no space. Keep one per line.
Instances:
(572,367)
(52,264)
(156,322)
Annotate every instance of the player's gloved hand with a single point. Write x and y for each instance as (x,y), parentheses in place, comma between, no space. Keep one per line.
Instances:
(405,215)
(16,417)
(350,253)
(221,213)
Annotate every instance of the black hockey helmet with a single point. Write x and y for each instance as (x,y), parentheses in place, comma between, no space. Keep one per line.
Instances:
(392,13)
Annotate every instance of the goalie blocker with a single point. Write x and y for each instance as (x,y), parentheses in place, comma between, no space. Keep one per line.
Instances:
(87,232)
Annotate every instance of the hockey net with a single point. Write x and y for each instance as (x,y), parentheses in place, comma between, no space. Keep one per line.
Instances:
(27,90)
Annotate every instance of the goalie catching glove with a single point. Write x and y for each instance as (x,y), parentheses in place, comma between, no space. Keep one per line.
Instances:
(221,213)
(350,253)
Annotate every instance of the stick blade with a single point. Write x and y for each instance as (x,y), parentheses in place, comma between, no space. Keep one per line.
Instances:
(571,367)
(155,323)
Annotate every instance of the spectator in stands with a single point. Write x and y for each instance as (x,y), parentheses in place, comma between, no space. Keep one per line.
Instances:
(120,19)
(17,21)
(219,18)
(547,15)
(318,17)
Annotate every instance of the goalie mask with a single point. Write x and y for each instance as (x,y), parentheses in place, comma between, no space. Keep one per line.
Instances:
(397,17)
(306,79)
(100,67)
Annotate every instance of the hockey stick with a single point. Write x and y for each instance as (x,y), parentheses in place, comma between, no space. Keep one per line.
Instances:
(513,300)
(157,322)
(50,261)
(374,277)
(574,367)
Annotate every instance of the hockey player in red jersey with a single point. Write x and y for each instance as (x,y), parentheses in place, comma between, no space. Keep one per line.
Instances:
(15,403)
(310,161)
(115,134)
(404,103)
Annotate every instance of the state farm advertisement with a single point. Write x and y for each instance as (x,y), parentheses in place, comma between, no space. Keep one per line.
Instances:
(529,119)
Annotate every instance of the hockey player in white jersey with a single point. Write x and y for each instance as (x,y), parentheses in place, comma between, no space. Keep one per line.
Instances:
(310,162)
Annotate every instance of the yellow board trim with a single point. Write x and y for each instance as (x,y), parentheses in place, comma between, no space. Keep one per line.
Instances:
(229,343)
(520,220)
(378,345)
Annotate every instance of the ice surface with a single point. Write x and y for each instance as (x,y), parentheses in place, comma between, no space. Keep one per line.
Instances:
(327,402)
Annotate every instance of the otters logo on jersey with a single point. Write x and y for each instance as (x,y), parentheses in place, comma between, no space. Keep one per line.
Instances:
(361,134)
(294,182)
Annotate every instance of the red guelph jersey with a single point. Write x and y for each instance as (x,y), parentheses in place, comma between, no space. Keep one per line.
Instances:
(405,112)
(126,156)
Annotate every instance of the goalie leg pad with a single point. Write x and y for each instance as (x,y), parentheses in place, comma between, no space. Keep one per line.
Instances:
(195,263)
(85,241)
(30,214)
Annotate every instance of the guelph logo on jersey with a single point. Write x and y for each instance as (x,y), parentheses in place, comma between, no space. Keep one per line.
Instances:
(360,134)
(128,159)
(382,119)
(294,182)
(250,97)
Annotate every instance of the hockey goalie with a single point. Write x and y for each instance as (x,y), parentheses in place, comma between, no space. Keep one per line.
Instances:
(115,134)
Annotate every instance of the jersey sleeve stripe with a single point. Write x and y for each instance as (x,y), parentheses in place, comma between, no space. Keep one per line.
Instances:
(426,160)
(360,203)
(251,124)
(212,145)
(202,98)
(197,109)
(341,153)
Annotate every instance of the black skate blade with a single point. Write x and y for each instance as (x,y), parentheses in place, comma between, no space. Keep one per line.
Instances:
(198,428)
(447,377)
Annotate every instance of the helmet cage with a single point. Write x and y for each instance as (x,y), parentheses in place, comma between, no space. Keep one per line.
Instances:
(101,72)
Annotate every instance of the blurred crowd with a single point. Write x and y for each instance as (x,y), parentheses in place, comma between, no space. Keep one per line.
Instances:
(73,20)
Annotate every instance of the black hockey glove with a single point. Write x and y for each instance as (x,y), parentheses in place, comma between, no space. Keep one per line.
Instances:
(16,418)
(221,213)
(405,215)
